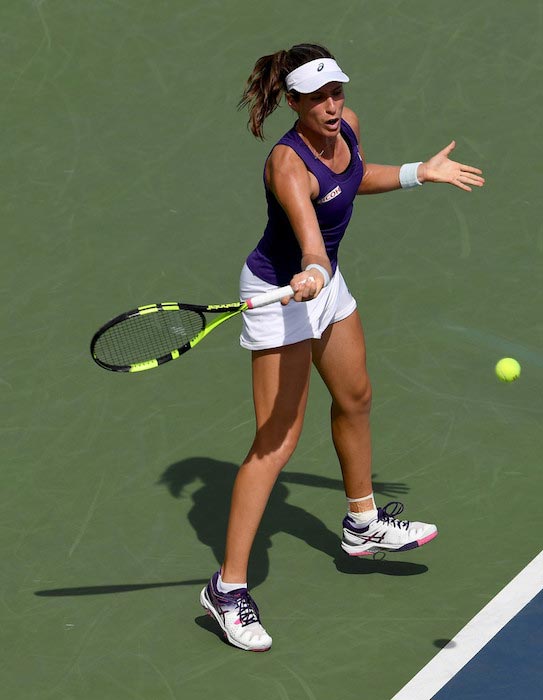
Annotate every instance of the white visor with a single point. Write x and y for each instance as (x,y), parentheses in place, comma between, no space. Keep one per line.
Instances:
(313,75)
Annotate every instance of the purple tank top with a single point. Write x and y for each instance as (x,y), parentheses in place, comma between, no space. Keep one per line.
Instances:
(277,257)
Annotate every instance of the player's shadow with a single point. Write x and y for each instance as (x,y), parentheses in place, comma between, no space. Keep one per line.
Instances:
(211,501)
(209,515)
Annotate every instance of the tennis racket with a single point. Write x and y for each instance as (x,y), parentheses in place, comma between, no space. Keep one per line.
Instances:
(152,335)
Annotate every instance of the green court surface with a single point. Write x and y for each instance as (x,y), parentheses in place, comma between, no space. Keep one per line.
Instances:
(129,177)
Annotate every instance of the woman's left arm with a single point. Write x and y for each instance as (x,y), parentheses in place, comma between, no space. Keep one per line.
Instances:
(438,168)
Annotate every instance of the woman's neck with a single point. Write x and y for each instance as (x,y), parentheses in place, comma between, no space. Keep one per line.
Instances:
(322,147)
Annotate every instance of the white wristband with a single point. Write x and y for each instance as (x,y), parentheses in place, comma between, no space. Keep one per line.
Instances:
(408,175)
(322,270)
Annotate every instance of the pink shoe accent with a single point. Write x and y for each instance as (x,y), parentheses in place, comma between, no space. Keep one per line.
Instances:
(426,539)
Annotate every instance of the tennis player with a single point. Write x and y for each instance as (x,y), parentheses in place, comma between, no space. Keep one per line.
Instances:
(312,176)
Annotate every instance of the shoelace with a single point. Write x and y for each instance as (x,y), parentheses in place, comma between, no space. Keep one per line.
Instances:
(248,609)
(389,512)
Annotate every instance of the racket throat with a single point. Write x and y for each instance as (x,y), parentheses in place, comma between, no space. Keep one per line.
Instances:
(210,326)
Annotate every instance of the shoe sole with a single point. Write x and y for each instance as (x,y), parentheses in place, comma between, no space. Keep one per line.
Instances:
(208,607)
(354,550)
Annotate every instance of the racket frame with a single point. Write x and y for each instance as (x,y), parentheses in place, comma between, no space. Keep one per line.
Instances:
(224,311)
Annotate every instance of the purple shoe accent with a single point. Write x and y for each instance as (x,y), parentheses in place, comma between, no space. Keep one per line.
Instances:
(226,602)
(350,524)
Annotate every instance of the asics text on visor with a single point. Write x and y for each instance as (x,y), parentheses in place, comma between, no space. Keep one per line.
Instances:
(313,75)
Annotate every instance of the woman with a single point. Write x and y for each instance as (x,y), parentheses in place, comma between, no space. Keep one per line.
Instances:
(312,176)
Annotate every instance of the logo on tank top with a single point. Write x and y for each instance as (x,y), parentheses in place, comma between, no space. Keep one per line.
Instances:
(331,195)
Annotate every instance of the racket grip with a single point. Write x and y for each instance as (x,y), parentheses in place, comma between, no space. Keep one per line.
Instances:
(269,297)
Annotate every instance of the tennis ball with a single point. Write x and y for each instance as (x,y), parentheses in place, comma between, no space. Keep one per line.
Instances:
(507,369)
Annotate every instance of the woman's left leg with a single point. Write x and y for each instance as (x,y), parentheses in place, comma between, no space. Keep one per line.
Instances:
(340,358)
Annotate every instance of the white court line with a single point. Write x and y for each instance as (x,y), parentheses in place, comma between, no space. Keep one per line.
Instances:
(476,634)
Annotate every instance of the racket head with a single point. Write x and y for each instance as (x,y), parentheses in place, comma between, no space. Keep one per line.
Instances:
(147,336)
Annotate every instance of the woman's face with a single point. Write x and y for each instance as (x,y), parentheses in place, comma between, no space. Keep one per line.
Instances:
(321,111)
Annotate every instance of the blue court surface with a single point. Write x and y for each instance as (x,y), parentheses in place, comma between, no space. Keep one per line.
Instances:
(510,661)
(509,666)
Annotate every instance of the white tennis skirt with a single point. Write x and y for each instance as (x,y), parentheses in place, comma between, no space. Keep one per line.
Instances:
(275,325)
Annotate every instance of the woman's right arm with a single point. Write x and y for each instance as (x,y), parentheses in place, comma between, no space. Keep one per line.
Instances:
(294,187)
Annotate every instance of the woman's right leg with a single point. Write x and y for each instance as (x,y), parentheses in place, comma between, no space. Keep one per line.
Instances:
(280,389)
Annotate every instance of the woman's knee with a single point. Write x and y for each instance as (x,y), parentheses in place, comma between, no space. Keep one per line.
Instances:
(276,449)
(356,399)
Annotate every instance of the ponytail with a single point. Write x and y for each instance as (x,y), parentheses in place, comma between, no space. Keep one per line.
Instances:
(266,84)
(263,91)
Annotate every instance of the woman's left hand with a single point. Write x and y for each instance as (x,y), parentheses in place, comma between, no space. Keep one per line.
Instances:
(440,168)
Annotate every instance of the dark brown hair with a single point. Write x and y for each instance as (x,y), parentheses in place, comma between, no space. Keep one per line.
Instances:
(266,83)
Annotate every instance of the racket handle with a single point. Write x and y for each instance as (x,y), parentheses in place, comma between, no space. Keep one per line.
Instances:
(269,297)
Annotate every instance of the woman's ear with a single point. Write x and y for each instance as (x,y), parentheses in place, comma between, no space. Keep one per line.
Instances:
(292,102)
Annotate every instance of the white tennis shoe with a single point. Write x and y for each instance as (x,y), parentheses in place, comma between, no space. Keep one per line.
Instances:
(238,616)
(384,533)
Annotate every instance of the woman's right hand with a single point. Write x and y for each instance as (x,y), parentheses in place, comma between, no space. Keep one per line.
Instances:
(306,285)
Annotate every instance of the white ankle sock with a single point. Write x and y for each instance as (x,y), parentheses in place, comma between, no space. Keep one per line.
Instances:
(229,587)
(363,518)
